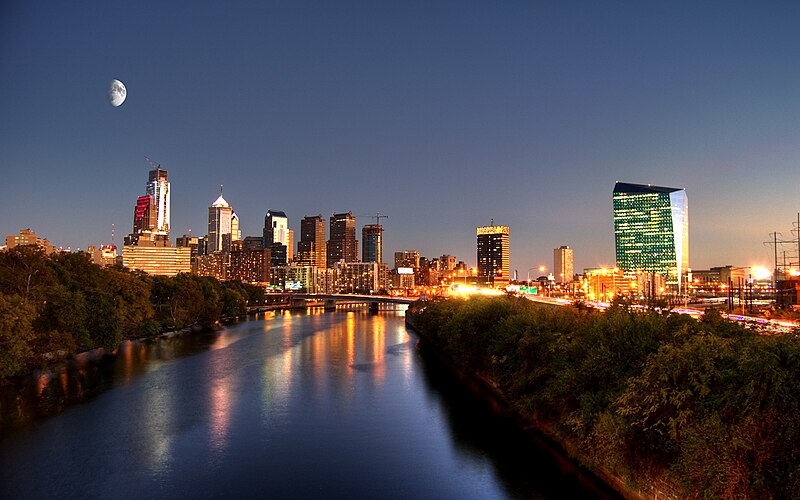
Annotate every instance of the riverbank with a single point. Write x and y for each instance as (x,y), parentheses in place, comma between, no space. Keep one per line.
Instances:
(483,387)
(657,404)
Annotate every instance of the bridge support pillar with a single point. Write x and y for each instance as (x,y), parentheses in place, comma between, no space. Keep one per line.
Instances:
(373,307)
(297,303)
(330,305)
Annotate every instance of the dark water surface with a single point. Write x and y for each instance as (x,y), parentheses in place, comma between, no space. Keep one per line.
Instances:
(291,405)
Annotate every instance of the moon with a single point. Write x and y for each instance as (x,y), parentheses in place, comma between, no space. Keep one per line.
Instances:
(116,93)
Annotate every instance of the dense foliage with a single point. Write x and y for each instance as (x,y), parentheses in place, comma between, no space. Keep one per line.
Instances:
(712,406)
(51,307)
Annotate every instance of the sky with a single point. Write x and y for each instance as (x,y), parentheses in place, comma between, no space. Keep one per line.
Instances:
(442,115)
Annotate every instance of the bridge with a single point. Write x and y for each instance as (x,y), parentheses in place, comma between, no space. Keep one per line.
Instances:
(331,300)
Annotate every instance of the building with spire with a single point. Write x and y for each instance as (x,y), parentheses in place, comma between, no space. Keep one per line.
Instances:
(220,217)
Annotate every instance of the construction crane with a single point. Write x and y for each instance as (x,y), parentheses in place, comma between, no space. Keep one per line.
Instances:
(152,163)
(378,216)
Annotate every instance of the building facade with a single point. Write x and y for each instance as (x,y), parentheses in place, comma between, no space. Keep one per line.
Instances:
(361,277)
(342,245)
(151,213)
(163,261)
(372,243)
(311,249)
(249,266)
(651,230)
(563,264)
(276,237)
(494,266)
(28,237)
(220,214)
(406,258)
(158,191)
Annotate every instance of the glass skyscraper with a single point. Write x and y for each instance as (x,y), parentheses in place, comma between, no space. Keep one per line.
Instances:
(372,243)
(158,189)
(651,230)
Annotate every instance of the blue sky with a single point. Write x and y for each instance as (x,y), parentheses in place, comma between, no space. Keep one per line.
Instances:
(441,115)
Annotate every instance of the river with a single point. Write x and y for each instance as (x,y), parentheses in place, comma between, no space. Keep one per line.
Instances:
(289,405)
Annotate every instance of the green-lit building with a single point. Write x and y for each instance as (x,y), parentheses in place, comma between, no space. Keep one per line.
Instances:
(651,230)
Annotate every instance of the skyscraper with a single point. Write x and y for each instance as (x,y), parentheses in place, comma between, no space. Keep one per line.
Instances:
(372,243)
(494,267)
(220,214)
(312,247)
(563,270)
(151,213)
(343,244)
(276,236)
(158,189)
(651,230)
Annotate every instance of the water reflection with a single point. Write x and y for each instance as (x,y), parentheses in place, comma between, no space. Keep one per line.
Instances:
(299,405)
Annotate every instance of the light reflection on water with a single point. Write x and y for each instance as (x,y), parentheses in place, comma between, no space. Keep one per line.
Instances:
(292,405)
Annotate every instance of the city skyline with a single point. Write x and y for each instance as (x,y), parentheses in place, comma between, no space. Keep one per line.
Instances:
(441,117)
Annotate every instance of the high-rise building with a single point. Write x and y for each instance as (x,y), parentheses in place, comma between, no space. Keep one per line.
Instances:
(342,245)
(151,213)
(220,215)
(276,236)
(372,243)
(494,267)
(651,230)
(311,248)
(158,190)
(563,270)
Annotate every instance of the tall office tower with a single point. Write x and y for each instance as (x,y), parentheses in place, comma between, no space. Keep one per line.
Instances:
(220,215)
(343,244)
(563,270)
(236,233)
(372,243)
(144,215)
(276,236)
(651,230)
(493,262)
(151,213)
(158,189)
(311,248)
(406,258)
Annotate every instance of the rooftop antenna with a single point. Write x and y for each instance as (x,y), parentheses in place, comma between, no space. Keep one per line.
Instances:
(112,233)
(491,223)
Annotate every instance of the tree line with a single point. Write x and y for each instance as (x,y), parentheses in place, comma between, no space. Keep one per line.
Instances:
(709,405)
(54,306)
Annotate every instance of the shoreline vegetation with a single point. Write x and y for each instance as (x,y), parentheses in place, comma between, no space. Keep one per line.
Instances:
(655,403)
(54,307)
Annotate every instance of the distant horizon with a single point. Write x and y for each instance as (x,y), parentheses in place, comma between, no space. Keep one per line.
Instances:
(441,116)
